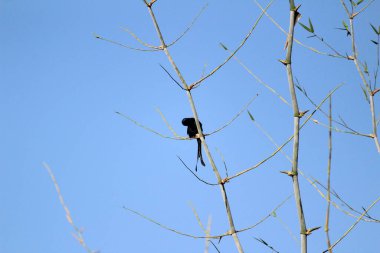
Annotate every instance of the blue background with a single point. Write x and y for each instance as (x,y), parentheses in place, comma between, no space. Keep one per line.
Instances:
(60,89)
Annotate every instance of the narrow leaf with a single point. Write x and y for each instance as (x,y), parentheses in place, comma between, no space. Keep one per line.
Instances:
(305,27)
(345,25)
(250,115)
(365,93)
(311,26)
(374,42)
(359,2)
(223,46)
(375,30)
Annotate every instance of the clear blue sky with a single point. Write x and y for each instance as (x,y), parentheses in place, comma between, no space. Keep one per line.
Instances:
(60,89)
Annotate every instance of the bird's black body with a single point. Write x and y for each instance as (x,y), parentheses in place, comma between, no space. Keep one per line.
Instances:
(192,131)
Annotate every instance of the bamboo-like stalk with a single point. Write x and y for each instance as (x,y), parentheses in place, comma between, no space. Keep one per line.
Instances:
(232,229)
(364,80)
(327,221)
(296,121)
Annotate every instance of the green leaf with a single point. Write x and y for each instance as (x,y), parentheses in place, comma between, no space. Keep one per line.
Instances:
(359,2)
(375,42)
(345,25)
(365,93)
(273,214)
(365,67)
(298,87)
(305,27)
(346,28)
(375,30)
(223,46)
(311,26)
(250,115)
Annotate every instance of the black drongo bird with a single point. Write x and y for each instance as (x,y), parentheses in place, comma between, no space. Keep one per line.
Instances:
(192,131)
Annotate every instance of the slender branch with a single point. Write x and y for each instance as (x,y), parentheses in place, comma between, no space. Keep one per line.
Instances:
(327,221)
(285,143)
(297,41)
(167,72)
(353,225)
(232,229)
(151,130)
(178,137)
(342,123)
(189,26)
(296,119)
(364,80)
(333,128)
(235,117)
(141,41)
(205,230)
(287,228)
(364,8)
(126,46)
(345,8)
(194,174)
(228,233)
(314,181)
(78,232)
(197,83)
(167,123)
(266,217)
(174,230)
(224,162)
(256,77)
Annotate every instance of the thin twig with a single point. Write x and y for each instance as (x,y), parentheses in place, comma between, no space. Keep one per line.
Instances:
(224,161)
(293,16)
(287,228)
(285,143)
(197,83)
(296,40)
(256,77)
(167,123)
(151,130)
(353,225)
(126,46)
(194,174)
(232,229)
(235,117)
(167,72)
(228,233)
(189,26)
(174,230)
(364,8)
(312,181)
(78,235)
(327,221)
(140,41)
(269,215)
(364,80)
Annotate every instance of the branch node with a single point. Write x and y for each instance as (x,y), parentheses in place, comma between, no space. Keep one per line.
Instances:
(151,3)
(350,57)
(289,173)
(285,62)
(296,8)
(375,91)
(310,230)
(225,180)
(301,114)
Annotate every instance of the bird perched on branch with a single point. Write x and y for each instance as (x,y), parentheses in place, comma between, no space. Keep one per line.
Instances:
(192,131)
